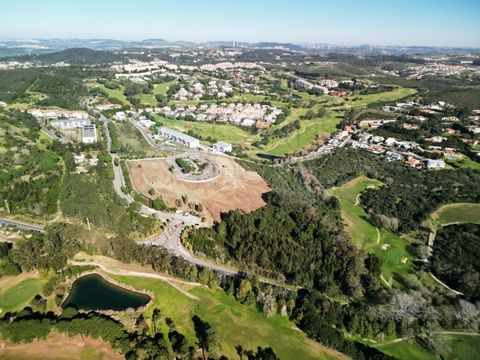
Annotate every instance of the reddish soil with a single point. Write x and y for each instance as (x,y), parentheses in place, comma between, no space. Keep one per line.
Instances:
(234,188)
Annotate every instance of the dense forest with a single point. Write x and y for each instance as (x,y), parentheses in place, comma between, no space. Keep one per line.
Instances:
(288,237)
(455,257)
(59,86)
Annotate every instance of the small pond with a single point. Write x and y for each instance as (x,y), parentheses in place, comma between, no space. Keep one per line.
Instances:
(93,292)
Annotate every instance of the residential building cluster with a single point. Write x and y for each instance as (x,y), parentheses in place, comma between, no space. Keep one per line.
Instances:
(436,68)
(304,85)
(178,137)
(395,150)
(58,113)
(229,66)
(249,115)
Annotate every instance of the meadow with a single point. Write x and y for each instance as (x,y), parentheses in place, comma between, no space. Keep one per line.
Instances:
(19,295)
(113,93)
(163,87)
(448,345)
(238,324)
(457,213)
(220,132)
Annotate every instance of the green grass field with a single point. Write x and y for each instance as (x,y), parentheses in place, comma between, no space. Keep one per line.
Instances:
(386,245)
(310,129)
(457,213)
(465,163)
(364,100)
(404,350)
(221,132)
(133,143)
(19,295)
(113,93)
(148,100)
(237,323)
(458,347)
(163,87)
(308,132)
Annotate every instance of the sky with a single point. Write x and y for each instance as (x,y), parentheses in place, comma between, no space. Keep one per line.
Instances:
(344,22)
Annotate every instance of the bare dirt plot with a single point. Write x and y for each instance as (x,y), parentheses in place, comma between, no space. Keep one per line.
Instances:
(234,188)
(60,347)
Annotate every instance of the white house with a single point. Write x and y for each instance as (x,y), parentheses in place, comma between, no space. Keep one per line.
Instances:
(222,147)
(435,164)
(146,123)
(179,137)
(69,123)
(89,134)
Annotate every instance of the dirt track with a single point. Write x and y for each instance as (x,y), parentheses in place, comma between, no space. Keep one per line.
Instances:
(234,188)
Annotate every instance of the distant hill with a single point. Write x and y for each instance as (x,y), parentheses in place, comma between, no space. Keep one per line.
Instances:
(80,56)
(10,48)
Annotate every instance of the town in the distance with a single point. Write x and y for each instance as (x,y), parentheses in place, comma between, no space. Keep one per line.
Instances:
(238,200)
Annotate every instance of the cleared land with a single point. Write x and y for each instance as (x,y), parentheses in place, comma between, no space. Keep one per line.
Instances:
(457,213)
(234,188)
(237,323)
(59,347)
(386,245)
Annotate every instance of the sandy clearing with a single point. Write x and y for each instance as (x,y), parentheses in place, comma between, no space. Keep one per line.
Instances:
(234,188)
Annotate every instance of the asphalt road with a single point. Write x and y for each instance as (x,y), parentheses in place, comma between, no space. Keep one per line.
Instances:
(22,226)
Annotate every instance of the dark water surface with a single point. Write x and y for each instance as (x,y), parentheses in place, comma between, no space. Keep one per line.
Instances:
(93,292)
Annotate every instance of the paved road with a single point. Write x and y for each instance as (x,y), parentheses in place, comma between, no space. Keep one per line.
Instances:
(22,225)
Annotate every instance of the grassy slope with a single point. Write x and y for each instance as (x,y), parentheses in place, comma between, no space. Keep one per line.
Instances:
(465,163)
(225,132)
(457,213)
(364,234)
(19,295)
(364,100)
(148,100)
(459,347)
(163,87)
(305,135)
(115,93)
(327,125)
(129,137)
(403,350)
(237,323)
